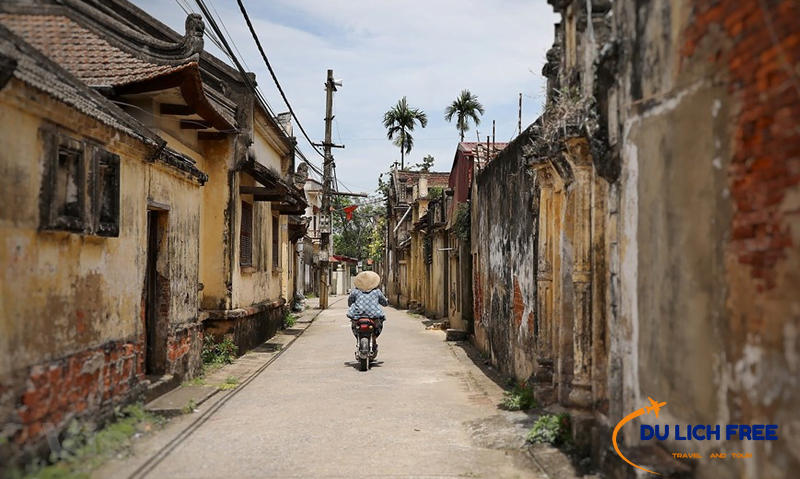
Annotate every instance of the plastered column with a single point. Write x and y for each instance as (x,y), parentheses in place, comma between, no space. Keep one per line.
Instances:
(581,394)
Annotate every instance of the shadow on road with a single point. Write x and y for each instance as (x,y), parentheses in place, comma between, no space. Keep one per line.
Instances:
(357,364)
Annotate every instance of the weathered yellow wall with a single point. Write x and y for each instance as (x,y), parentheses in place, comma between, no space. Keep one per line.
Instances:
(261,282)
(214,265)
(436,289)
(62,292)
(266,155)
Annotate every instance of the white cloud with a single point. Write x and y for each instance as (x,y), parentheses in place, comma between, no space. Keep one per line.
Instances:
(427,50)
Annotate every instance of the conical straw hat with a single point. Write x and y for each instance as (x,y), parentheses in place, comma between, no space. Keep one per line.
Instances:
(367,281)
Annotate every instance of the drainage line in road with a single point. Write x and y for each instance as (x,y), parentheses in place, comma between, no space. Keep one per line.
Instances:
(157,458)
(538,464)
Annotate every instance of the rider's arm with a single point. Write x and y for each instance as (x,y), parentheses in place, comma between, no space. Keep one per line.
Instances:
(352,298)
(382,299)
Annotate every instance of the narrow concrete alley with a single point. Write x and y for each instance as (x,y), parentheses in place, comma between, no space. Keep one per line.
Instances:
(424,410)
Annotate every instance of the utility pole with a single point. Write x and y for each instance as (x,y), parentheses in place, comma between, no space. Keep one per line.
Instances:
(326,227)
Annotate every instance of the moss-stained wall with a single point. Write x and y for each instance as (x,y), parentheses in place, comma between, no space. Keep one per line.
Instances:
(84,290)
(261,281)
(504,229)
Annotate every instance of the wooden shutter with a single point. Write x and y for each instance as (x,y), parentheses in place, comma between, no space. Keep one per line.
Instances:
(276,244)
(246,236)
(107,191)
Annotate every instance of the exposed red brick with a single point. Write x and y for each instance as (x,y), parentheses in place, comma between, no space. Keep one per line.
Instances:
(519,305)
(62,389)
(765,163)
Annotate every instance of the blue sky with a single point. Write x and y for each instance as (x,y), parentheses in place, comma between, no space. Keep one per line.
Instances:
(426,50)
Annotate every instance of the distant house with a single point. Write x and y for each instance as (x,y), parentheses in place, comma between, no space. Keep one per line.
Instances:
(406,271)
(149,199)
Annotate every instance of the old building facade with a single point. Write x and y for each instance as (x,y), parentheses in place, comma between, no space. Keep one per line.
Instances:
(407,271)
(640,238)
(131,182)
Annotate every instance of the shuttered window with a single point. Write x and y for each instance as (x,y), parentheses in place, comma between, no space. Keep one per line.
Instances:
(80,186)
(276,244)
(246,236)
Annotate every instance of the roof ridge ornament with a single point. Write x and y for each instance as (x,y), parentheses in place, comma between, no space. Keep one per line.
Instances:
(192,41)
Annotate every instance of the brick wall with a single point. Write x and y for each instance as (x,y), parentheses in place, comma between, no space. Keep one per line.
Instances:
(765,76)
(184,350)
(43,399)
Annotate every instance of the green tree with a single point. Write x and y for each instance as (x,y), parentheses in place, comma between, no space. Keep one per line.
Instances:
(465,107)
(426,165)
(362,236)
(399,121)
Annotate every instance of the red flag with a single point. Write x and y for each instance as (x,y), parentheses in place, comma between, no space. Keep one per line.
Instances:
(349,210)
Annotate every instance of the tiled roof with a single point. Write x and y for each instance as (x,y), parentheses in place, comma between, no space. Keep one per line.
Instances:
(434,178)
(469,146)
(40,73)
(83,53)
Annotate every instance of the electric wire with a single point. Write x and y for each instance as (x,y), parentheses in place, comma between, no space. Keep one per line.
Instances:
(274,77)
(226,47)
(229,34)
(272,73)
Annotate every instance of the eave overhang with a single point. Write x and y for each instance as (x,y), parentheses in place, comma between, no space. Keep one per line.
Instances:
(292,201)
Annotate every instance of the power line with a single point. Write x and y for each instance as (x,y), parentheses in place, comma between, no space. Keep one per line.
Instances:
(384,139)
(229,34)
(225,47)
(274,77)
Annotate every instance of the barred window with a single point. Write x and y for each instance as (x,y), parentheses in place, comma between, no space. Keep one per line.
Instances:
(276,244)
(246,236)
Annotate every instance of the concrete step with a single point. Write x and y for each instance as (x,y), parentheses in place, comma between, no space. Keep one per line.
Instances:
(180,400)
(456,335)
(159,385)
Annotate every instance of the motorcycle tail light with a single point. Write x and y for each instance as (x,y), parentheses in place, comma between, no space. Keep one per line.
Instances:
(365,327)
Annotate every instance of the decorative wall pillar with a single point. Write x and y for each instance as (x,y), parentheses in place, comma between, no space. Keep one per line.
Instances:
(583,190)
(563,317)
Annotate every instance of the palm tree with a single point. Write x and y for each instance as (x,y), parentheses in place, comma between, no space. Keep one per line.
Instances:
(466,107)
(399,121)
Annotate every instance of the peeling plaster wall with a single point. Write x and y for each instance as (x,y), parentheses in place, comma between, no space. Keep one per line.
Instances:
(266,155)
(84,289)
(504,237)
(71,305)
(709,224)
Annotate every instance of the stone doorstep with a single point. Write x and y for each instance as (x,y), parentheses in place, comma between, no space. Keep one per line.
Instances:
(554,463)
(456,335)
(158,386)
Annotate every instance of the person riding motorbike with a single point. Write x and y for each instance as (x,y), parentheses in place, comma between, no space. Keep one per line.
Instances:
(365,301)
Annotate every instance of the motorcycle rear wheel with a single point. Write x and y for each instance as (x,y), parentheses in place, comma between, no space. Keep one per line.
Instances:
(363,347)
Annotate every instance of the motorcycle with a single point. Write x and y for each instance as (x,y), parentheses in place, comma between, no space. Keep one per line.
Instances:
(365,338)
